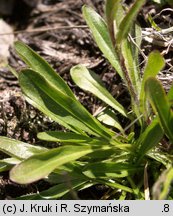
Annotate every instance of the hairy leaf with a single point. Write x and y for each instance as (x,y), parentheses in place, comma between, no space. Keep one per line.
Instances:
(68,137)
(56,191)
(41,165)
(101,35)
(59,106)
(18,149)
(91,82)
(109,170)
(128,20)
(149,139)
(108,117)
(36,63)
(161,105)
(114,15)
(131,62)
(154,64)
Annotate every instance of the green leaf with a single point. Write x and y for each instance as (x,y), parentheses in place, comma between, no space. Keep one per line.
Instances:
(36,63)
(154,64)
(136,34)
(104,155)
(70,171)
(111,8)
(131,62)
(60,107)
(41,165)
(167,184)
(115,185)
(19,149)
(114,15)
(170,95)
(11,160)
(109,170)
(13,71)
(56,191)
(68,137)
(161,105)
(101,35)
(129,50)
(4,166)
(162,187)
(91,82)
(153,24)
(149,139)
(62,189)
(108,117)
(8,163)
(128,20)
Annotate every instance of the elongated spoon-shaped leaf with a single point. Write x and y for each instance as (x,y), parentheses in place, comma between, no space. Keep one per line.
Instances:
(154,64)
(128,20)
(72,170)
(19,149)
(170,96)
(108,117)
(91,82)
(37,167)
(60,190)
(161,105)
(149,138)
(62,108)
(131,63)
(101,35)
(68,137)
(114,15)
(54,192)
(109,170)
(35,62)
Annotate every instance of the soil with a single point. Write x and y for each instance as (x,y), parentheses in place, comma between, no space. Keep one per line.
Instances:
(63,48)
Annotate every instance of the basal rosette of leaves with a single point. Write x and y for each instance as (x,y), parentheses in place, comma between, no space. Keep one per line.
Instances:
(97,150)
